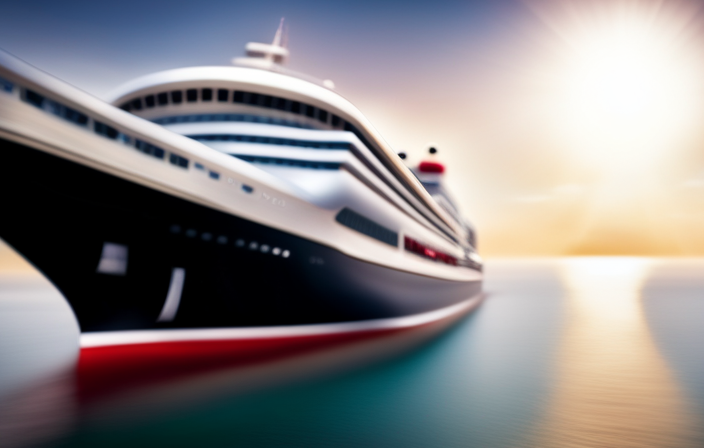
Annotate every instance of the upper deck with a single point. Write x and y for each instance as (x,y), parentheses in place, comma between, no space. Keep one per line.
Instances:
(240,94)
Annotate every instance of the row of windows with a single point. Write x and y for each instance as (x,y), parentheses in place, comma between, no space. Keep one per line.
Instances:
(55,108)
(271,141)
(239,242)
(6,86)
(289,162)
(426,251)
(104,130)
(235,96)
(246,118)
(362,224)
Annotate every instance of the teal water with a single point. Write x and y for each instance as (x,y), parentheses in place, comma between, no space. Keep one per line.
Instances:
(564,352)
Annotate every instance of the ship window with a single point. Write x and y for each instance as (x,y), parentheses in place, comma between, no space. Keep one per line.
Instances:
(163,99)
(238,97)
(125,138)
(322,116)
(56,108)
(295,107)
(253,99)
(246,188)
(105,130)
(74,116)
(149,149)
(267,101)
(289,162)
(53,107)
(149,101)
(33,98)
(192,95)
(177,160)
(223,95)
(335,120)
(271,141)
(136,104)
(177,97)
(228,117)
(214,175)
(207,94)
(310,111)
(199,166)
(6,85)
(366,226)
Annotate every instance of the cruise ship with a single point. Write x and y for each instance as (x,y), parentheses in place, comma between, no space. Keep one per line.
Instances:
(224,202)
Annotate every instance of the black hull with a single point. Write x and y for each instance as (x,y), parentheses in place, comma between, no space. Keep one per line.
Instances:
(58,214)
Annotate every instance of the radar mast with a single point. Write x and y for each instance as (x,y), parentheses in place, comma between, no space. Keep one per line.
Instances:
(266,56)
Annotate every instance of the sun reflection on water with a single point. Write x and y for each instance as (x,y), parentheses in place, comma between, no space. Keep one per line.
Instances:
(612,386)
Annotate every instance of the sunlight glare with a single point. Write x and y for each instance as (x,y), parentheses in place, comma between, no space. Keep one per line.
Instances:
(628,89)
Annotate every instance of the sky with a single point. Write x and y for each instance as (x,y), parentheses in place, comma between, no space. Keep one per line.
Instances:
(567,127)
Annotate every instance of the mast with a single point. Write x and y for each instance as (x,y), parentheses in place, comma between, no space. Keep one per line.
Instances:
(267,56)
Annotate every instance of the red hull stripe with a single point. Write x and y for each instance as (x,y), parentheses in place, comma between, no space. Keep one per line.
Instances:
(111,369)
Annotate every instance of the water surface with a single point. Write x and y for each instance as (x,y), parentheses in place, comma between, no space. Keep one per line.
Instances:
(582,352)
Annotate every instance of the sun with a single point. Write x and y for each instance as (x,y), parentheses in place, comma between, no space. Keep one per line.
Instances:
(627,86)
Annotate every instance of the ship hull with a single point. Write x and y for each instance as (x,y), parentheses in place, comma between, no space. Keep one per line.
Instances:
(184,265)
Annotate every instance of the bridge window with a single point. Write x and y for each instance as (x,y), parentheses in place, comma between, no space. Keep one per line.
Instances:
(223,95)
(149,101)
(192,95)
(177,97)
(136,104)
(238,97)
(310,111)
(295,107)
(252,98)
(322,116)
(163,99)
(207,94)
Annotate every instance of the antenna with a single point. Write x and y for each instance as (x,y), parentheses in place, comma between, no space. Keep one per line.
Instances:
(267,56)
(284,39)
(279,35)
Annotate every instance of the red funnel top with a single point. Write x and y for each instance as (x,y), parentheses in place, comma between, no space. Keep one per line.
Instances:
(431,167)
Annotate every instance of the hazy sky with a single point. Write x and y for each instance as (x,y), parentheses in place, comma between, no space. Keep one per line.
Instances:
(567,126)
